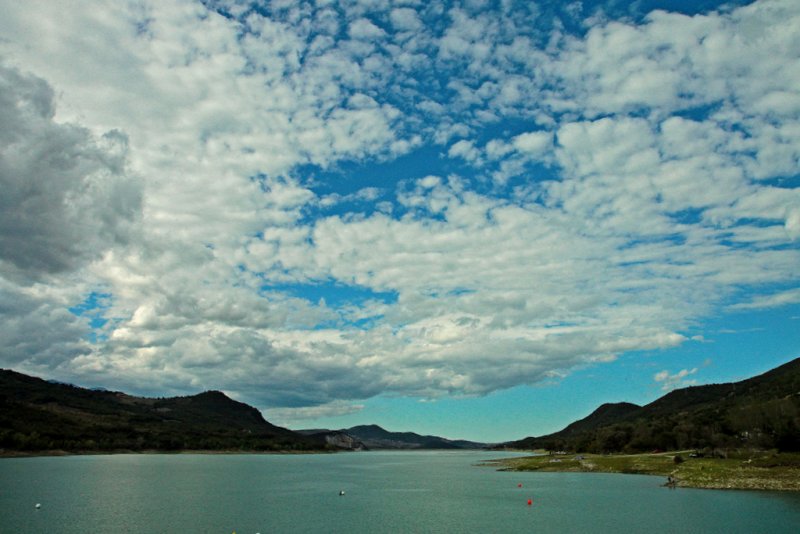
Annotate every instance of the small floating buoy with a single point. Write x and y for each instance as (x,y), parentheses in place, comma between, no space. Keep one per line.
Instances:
(519,485)
(341,493)
(38,505)
(530,502)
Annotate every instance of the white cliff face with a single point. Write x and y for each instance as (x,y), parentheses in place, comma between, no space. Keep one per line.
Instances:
(344,441)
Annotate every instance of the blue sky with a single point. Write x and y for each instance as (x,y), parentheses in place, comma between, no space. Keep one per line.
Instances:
(475,219)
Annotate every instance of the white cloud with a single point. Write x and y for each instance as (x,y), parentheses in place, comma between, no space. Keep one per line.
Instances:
(793,224)
(67,196)
(607,146)
(37,332)
(669,147)
(295,416)
(364,29)
(533,144)
(405,19)
(675,381)
(775,300)
(466,150)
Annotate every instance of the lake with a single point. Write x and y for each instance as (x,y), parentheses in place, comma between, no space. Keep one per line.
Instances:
(426,492)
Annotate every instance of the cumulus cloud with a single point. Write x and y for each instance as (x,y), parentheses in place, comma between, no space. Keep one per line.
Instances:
(534,144)
(675,381)
(364,29)
(466,150)
(616,186)
(405,19)
(67,196)
(37,331)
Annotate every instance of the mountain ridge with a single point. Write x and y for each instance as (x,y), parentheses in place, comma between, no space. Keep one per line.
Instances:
(376,437)
(761,412)
(39,415)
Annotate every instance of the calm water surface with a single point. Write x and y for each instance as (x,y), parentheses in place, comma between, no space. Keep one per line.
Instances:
(385,492)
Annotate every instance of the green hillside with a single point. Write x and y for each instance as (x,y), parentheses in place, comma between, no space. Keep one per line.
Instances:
(37,415)
(762,412)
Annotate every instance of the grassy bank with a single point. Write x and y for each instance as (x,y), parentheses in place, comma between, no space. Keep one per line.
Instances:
(751,470)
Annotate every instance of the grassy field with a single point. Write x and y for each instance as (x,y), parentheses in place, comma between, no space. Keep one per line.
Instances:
(751,470)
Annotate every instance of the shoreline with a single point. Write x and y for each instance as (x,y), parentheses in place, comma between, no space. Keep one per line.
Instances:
(55,453)
(762,471)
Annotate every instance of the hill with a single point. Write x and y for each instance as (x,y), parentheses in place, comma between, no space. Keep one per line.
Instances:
(760,412)
(606,414)
(39,415)
(375,437)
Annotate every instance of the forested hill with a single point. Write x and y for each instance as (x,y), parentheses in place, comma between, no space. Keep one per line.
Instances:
(37,415)
(760,412)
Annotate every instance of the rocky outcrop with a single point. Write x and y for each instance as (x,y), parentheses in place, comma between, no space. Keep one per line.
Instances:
(344,441)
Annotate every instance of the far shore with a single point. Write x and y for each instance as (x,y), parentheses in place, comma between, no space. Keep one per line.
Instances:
(753,470)
(35,454)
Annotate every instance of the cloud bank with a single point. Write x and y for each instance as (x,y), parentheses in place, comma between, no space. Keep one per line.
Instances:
(66,195)
(310,205)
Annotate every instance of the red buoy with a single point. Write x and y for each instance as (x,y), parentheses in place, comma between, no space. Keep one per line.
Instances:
(519,485)
(530,502)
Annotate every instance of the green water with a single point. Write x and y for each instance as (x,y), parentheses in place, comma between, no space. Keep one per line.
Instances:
(384,492)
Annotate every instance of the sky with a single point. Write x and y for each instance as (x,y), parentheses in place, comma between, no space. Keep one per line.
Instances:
(476,219)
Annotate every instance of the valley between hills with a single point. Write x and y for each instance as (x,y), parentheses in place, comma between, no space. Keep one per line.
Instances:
(737,435)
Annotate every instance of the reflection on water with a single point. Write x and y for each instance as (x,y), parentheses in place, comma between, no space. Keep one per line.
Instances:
(384,492)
